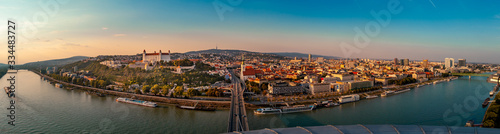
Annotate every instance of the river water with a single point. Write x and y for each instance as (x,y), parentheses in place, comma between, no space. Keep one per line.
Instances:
(42,108)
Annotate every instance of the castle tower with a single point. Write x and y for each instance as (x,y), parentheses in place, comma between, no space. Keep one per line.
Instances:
(159,57)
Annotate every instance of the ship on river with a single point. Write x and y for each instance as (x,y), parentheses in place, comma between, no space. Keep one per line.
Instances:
(137,102)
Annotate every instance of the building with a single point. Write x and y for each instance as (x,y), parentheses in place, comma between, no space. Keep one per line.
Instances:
(309,58)
(406,62)
(425,63)
(449,63)
(320,60)
(402,62)
(419,75)
(344,77)
(461,63)
(360,84)
(319,88)
(155,57)
(395,61)
(283,88)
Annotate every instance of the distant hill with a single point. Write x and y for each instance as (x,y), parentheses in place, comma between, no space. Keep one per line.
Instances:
(54,62)
(216,51)
(302,55)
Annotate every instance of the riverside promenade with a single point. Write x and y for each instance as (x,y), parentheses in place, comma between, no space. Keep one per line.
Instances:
(160,99)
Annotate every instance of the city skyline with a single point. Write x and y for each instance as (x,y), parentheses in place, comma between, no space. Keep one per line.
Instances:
(422,30)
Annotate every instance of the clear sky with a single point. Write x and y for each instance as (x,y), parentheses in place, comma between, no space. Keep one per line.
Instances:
(424,29)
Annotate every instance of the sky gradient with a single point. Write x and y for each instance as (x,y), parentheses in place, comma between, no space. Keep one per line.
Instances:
(423,29)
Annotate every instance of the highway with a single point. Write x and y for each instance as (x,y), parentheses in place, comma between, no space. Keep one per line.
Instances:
(238,121)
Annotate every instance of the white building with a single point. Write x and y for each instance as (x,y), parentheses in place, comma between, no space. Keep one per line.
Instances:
(319,88)
(155,57)
(449,63)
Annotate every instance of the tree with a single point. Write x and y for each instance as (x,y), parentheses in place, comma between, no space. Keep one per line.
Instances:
(179,90)
(155,89)
(102,83)
(165,89)
(193,92)
(145,89)
(137,91)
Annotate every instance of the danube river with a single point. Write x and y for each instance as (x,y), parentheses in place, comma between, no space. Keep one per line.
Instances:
(43,108)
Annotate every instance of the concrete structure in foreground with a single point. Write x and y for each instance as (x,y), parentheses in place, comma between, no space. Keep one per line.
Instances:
(375,129)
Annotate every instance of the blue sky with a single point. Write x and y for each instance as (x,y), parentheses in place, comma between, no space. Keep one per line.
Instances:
(424,29)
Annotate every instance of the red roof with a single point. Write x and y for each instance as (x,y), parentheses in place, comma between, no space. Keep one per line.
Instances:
(249,71)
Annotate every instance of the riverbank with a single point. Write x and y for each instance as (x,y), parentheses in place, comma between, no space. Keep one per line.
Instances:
(491,118)
(161,100)
(225,104)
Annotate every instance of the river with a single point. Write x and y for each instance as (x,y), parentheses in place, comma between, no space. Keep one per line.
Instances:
(43,108)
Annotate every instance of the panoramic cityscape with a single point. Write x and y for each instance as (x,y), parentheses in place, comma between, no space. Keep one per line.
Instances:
(236,66)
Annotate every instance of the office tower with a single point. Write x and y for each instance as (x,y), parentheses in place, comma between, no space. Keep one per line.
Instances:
(425,63)
(395,61)
(462,63)
(449,63)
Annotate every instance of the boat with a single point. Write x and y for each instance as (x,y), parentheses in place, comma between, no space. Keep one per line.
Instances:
(59,85)
(267,111)
(297,108)
(486,102)
(371,96)
(400,91)
(195,107)
(285,109)
(136,102)
(386,93)
(348,98)
(492,92)
(331,104)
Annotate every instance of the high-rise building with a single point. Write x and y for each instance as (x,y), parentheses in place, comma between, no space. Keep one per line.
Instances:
(395,61)
(309,58)
(406,62)
(402,62)
(449,63)
(461,63)
(425,63)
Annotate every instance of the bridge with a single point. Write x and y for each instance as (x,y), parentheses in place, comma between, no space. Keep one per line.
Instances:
(238,121)
(471,74)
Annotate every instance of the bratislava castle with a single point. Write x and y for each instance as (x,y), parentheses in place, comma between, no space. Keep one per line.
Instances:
(155,57)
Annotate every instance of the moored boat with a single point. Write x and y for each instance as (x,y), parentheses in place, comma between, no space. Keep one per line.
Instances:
(285,109)
(401,91)
(386,93)
(59,85)
(348,98)
(136,102)
(486,102)
(331,104)
(267,111)
(371,96)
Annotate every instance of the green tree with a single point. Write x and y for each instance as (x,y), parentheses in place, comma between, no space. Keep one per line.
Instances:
(145,89)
